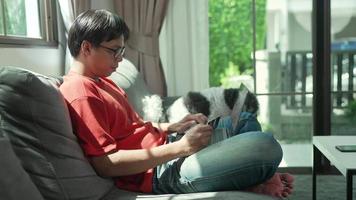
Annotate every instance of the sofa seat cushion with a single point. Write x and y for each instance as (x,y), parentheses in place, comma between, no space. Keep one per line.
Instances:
(35,118)
(117,194)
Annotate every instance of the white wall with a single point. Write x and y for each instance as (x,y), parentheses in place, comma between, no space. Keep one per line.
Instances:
(299,38)
(41,60)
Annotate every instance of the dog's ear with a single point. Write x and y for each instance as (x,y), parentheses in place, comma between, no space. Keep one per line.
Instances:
(197,103)
(251,103)
(230,96)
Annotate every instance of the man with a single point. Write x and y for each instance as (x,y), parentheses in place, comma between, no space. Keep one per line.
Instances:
(139,155)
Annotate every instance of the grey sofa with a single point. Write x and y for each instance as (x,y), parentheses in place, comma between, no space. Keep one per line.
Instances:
(40,157)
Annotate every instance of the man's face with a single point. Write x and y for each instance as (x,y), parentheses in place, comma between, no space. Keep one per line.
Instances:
(104,59)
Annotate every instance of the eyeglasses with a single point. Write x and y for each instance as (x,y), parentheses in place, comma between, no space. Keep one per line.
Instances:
(117,52)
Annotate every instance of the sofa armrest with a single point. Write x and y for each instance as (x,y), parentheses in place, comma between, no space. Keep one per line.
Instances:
(15,183)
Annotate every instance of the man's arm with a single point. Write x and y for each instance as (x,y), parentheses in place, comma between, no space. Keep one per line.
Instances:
(128,162)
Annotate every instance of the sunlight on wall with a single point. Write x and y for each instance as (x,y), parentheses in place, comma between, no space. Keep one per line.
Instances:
(40,60)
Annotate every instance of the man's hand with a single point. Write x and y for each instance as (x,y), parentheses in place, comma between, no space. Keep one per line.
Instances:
(195,139)
(134,161)
(187,122)
(128,162)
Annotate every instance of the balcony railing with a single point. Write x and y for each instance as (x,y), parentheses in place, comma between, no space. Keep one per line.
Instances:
(298,72)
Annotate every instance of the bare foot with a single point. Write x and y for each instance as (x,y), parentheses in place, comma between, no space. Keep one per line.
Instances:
(286,178)
(280,185)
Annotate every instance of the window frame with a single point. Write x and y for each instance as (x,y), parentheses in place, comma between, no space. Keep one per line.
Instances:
(48,28)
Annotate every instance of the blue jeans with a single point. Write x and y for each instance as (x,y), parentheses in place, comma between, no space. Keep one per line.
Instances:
(242,160)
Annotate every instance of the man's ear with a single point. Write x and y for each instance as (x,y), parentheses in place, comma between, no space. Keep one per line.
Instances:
(86,47)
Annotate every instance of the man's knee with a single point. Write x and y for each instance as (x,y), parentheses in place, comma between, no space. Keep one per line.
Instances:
(248,122)
(269,154)
(268,147)
(275,148)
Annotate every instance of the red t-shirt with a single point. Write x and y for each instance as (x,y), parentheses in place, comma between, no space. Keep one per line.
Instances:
(105,122)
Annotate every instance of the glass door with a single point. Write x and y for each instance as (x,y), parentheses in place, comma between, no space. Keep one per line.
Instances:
(284,78)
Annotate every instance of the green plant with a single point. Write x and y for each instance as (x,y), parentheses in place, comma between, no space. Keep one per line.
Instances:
(231,39)
(15,17)
(229,73)
(267,128)
(350,111)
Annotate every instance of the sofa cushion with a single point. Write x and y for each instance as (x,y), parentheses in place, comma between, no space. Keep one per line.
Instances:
(128,78)
(13,176)
(144,102)
(35,118)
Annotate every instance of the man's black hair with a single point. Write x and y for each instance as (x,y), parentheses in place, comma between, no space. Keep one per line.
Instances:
(95,26)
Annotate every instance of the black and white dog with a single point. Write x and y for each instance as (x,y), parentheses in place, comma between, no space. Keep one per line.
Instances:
(212,102)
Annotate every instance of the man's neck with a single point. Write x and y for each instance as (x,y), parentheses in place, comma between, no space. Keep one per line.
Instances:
(79,67)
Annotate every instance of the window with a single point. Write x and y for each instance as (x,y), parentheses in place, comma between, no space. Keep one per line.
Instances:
(27,22)
(266,45)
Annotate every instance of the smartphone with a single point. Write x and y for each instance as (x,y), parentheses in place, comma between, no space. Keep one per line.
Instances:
(346,148)
(214,122)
